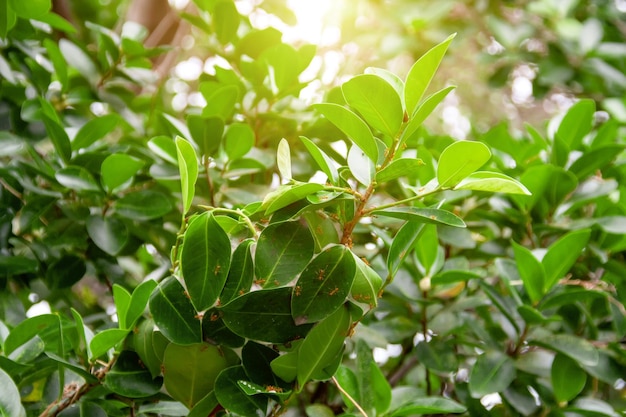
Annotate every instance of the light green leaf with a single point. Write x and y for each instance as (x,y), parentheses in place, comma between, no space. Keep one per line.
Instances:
(226,20)
(393,80)
(282,252)
(429,405)
(323,285)
(283,160)
(352,126)
(191,371)
(492,182)
(493,372)
(164,147)
(109,234)
(593,407)
(324,162)
(286,194)
(41,326)
(77,58)
(10,403)
(322,345)
(398,168)
(77,178)
(106,340)
(94,130)
(568,379)
(361,167)
(238,141)
(121,297)
(562,255)
(422,215)
(188,167)
(459,160)
(424,110)
(531,271)
(221,102)
(31,9)
(421,73)
(376,101)
(205,260)
(286,366)
(174,314)
(402,245)
(367,283)
(138,302)
(577,123)
(117,169)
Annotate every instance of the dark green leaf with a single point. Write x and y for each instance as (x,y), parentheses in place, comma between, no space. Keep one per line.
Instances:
(143,345)
(256,360)
(109,234)
(562,255)
(143,205)
(376,101)
(215,331)
(577,123)
(30,328)
(402,244)
(205,260)
(174,314)
(233,398)
(206,132)
(66,271)
(190,371)
(130,378)
(322,345)
(531,271)
(282,252)
(578,349)
(240,274)
(568,379)
(492,372)
(422,215)
(264,315)
(94,130)
(323,285)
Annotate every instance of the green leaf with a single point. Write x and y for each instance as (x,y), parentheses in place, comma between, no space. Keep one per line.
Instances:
(286,366)
(324,162)
(282,252)
(94,130)
(30,9)
(233,398)
(283,71)
(55,55)
(493,372)
(264,315)
(531,271)
(144,346)
(29,328)
(165,408)
(494,182)
(402,245)
(421,73)
(10,403)
(188,168)
(459,160)
(240,274)
(226,20)
(238,141)
(129,378)
(376,101)
(190,371)
(118,169)
(59,138)
(322,345)
(429,405)
(437,356)
(205,406)
(106,340)
(568,379)
(283,160)
(424,110)
(360,166)
(221,102)
(352,126)
(593,407)
(174,314)
(77,58)
(595,159)
(165,148)
(121,297)
(215,331)
(8,20)
(367,283)
(398,168)
(562,255)
(422,215)
(323,285)
(139,302)
(205,260)
(206,132)
(577,123)
(66,271)
(256,360)
(284,195)
(393,80)
(143,205)
(77,178)
(578,349)
(109,234)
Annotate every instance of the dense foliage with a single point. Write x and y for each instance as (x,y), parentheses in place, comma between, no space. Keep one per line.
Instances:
(247,254)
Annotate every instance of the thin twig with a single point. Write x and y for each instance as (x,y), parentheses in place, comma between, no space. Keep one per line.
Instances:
(348,396)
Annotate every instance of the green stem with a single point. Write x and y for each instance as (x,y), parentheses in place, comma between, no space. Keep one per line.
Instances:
(349,397)
(235,212)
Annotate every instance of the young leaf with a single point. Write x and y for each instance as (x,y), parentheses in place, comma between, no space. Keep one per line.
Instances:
(352,126)
(376,101)
(138,302)
(424,110)
(286,366)
(221,102)
(117,169)
(188,167)
(41,326)
(393,80)
(282,252)
(494,182)
(361,167)
(401,167)
(191,371)
(421,73)
(226,20)
(459,160)
(531,271)
(493,372)
(106,340)
(283,160)
(121,297)
(422,215)
(174,314)
(323,285)
(322,345)
(562,255)
(324,162)
(264,315)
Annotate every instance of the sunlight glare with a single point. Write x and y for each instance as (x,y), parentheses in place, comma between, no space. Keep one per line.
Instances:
(311,16)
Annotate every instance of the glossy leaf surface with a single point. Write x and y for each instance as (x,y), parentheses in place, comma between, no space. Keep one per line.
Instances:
(174,314)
